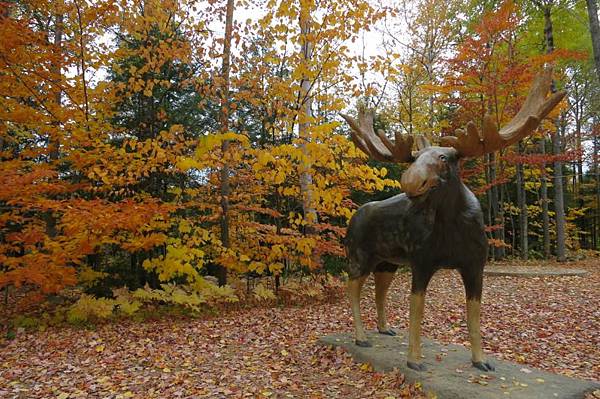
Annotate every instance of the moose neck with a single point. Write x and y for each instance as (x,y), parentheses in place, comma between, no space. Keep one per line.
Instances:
(447,201)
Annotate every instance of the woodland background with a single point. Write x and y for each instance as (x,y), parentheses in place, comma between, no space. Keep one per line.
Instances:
(145,145)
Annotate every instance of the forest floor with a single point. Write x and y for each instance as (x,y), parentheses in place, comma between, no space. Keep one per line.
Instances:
(550,323)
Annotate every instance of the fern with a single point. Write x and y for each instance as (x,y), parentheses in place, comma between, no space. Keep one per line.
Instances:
(263,293)
(126,306)
(170,293)
(88,308)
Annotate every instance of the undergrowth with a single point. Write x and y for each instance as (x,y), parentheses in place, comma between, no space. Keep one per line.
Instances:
(77,308)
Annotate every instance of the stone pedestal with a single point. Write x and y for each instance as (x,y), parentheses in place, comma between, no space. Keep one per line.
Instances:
(450,375)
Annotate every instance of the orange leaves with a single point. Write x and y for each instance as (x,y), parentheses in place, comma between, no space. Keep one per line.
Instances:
(132,225)
(497,25)
(490,69)
(47,273)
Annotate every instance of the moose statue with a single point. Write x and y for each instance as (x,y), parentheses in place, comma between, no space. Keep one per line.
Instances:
(436,223)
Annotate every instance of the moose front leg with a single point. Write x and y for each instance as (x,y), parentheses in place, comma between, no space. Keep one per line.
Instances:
(473,280)
(354,288)
(420,280)
(417,303)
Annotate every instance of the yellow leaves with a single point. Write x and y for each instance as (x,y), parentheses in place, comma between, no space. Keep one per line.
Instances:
(291,191)
(175,191)
(305,245)
(209,141)
(366,367)
(296,220)
(347,213)
(87,276)
(170,293)
(274,167)
(215,294)
(277,251)
(263,293)
(263,159)
(258,267)
(89,307)
(183,257)
(276,267)
(184,226)
(128,307)
(185,164)
(279,177)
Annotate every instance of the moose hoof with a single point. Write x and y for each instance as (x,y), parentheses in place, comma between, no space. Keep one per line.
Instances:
(484,366)
(363,344)
(416,366)
(389,332)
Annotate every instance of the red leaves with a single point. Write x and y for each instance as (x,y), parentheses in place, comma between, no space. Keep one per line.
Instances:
(543,159)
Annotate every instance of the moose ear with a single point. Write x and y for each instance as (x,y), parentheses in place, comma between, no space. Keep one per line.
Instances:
(422,143)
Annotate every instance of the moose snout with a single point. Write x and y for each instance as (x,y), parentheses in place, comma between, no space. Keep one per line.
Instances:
(415,183)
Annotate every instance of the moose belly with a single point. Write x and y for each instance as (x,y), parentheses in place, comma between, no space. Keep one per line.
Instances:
(454,248)
(388,246)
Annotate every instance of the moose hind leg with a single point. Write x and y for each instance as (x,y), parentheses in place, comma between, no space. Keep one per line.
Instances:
(384,274)
(354,288)
(473,280)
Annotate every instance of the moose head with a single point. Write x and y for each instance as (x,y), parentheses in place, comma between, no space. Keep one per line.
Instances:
(436,223)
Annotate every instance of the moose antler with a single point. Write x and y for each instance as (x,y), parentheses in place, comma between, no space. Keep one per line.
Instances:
(378,146)
(474,143)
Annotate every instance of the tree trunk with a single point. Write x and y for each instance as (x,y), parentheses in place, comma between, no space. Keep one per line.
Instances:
(513,243)
(559,207)
(305,116)
(545,217)
(522,203)
(592,8)
(490,219)
(578,191)
(556,150)
(597,176)
(501,229)
(498,233)
(225,188)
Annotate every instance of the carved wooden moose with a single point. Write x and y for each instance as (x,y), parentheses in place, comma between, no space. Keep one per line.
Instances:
(436,223)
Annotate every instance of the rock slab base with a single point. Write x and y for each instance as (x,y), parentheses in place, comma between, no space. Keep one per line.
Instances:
(450,375)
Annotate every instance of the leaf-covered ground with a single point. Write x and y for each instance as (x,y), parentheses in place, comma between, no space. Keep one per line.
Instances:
(550,323)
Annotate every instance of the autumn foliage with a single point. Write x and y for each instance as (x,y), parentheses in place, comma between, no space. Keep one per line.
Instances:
(111,152)
(111,145)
